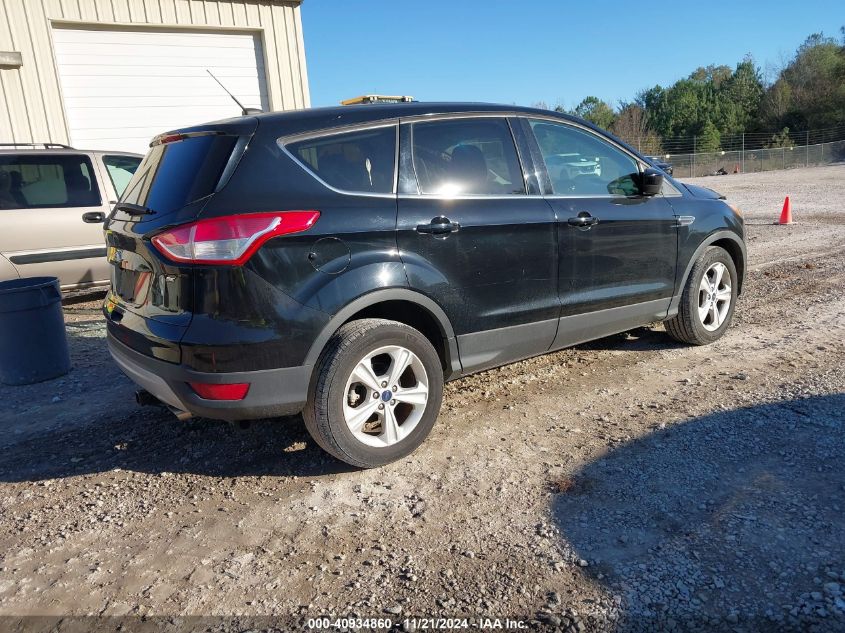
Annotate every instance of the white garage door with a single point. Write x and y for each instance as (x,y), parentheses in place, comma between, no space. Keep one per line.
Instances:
(123,87)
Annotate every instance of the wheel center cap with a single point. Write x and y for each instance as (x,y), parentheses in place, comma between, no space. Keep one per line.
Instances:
(386,396)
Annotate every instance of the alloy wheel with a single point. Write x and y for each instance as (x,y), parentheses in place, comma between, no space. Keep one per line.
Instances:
(714,296)
(385,396)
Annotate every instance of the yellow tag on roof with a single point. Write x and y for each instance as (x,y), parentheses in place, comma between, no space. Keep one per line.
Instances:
(377,99)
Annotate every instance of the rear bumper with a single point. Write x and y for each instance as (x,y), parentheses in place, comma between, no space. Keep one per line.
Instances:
(272,392)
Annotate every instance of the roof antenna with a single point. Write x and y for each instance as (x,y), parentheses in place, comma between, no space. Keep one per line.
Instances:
(245,111)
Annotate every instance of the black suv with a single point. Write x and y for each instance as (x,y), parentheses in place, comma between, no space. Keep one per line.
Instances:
(345,262)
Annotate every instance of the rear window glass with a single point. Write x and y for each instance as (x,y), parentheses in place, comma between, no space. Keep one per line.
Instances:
(353,161)
(44,180)
(120,170)
(175,174)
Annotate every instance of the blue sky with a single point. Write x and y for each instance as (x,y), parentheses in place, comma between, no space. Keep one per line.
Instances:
(525,51)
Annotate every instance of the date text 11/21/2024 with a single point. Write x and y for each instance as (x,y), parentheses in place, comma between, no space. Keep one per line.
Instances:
(416,624)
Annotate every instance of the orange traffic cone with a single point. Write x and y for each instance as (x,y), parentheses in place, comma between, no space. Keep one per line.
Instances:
(786,214)
(736,168)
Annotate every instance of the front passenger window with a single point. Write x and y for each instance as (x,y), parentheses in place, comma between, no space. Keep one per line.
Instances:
(581,164)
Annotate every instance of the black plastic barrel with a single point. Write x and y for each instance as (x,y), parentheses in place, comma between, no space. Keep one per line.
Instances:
(33,342)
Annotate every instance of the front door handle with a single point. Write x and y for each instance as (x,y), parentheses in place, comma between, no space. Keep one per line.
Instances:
(94,217)
(583,219)
(439,226)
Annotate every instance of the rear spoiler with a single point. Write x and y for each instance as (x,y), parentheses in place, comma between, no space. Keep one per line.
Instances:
(241,126)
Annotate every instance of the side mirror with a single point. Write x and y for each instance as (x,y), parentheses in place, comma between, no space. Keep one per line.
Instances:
(651,182)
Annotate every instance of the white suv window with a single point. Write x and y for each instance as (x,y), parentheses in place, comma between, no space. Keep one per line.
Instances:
(120,170)
(582,164)
(47,180)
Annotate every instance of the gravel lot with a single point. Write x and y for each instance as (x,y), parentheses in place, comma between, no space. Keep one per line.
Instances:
(627,484)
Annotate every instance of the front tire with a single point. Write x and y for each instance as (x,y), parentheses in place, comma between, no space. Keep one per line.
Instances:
(708,301)
(377,393)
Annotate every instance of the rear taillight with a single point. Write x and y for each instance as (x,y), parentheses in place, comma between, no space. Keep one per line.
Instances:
(164,139)
(231,391)
(230,239)
(173,137)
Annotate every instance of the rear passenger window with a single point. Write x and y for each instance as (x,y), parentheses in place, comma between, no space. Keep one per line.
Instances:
(361,161)
(466,157)
(41,180)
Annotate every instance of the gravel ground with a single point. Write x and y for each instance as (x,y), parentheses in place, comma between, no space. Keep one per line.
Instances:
(627,484)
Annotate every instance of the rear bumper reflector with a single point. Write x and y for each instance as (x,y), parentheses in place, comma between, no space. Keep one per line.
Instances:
(232,391)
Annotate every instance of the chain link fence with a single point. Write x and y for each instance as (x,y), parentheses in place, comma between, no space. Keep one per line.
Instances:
(746,152)
(754,160)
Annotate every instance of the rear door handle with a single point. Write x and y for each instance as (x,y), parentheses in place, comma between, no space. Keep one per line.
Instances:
(94,217)
(583,219)
(439,226)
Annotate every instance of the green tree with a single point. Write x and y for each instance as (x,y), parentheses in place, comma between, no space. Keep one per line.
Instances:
(596,112)
(781,139)
(810,91)
(741,95)
(728,100)
(709,139)
(716,101)
(711,75)
(775,104)
(632,125)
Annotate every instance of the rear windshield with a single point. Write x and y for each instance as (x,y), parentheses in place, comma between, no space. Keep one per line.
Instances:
(45,180)
(175,174)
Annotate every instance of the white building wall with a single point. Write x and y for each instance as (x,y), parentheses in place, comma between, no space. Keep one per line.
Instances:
(31,107)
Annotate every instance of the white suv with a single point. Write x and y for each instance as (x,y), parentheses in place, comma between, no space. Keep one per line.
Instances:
(53,202)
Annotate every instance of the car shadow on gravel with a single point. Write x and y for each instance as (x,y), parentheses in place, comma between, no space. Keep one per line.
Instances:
(732,521)
(639,339)
(87,422)
(151,440)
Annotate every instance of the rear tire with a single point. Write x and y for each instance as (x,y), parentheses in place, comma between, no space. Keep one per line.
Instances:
(377,393)
(708,300)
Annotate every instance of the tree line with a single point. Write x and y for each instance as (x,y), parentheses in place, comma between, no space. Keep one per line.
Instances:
(717,103)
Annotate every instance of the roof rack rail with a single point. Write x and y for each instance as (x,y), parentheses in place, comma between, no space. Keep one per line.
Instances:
(377,99)
(44,145)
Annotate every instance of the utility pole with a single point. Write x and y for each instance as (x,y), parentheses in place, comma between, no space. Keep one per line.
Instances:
(743,152)
(694,150)
(807,155)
